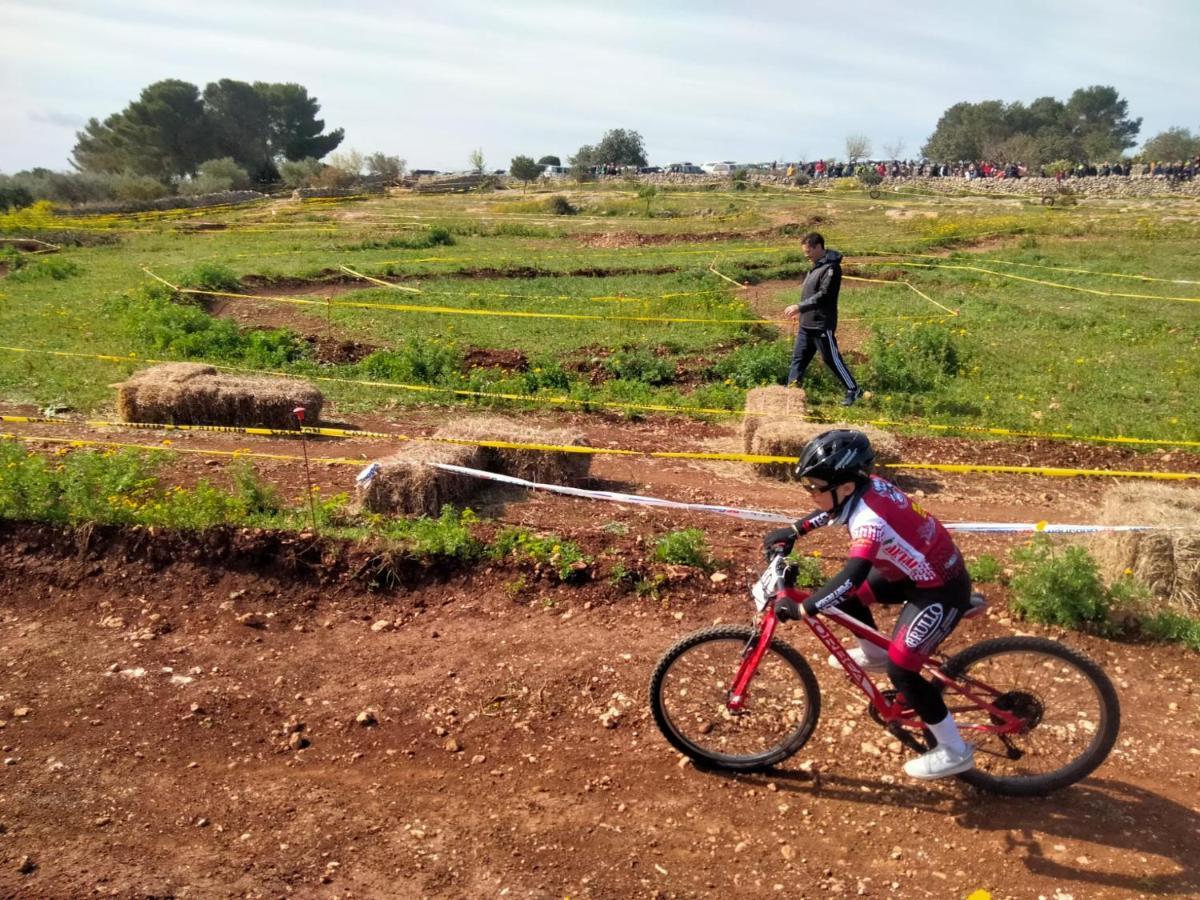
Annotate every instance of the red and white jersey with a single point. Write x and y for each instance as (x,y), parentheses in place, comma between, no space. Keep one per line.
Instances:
(899,538)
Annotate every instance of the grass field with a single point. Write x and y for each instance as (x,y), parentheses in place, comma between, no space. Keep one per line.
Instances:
(1034,347)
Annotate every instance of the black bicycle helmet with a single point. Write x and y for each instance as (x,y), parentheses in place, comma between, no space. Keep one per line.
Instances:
(837,456)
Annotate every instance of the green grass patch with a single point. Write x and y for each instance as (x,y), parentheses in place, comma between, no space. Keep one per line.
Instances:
(560,557)
(687,547)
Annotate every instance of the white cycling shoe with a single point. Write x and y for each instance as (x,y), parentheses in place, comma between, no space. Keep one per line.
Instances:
(939,763)
(866,663)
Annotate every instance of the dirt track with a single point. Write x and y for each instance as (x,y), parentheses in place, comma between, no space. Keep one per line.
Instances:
(488,771)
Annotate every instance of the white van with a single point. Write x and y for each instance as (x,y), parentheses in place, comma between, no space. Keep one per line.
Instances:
(555,171)
(719,168)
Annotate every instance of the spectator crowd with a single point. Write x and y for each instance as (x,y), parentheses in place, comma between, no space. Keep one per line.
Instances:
(1180,170)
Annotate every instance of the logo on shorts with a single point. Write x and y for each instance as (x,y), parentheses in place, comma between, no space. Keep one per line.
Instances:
(924,625)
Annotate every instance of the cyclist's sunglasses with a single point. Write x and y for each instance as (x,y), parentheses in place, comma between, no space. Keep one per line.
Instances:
(813,488)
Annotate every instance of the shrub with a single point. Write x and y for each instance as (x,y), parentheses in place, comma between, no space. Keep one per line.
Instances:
(1166,625)
(688,547)
(300,173)
(559,205)
(563,558)
(637,364)
(211,277)
(913,360)
(159,326)
(423,361)
(752,365)
(984,569)
(801,180)
(545,373)
(13,196)
(808,571)
(446,537)
(57,269)
(869,177)
(216,175)
(138,187)
(1060,586)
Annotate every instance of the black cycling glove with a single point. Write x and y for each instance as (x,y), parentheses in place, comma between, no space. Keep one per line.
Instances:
(780,541)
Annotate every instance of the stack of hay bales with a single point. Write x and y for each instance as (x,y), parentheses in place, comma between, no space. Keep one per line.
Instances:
(549,466)
(774,426)
(1167,561)
(764,404)
(196,394)
(407,484)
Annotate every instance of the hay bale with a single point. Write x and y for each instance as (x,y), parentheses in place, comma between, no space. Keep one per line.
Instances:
(548,466)
(774,401)
(785,437)
(1168,561)
(407,485)
(196,394)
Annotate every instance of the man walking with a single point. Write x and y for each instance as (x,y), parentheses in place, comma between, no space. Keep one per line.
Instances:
(817,310)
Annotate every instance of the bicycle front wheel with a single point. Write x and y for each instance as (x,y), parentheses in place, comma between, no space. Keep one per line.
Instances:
(1069,707)
(689,694)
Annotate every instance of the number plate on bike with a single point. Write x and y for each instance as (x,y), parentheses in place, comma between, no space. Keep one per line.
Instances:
(766,587)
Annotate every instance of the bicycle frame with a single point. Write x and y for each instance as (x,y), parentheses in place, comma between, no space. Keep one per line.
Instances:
(893,712)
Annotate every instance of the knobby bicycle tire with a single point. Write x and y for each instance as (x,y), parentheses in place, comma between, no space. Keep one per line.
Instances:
(785,666)
(1057,664)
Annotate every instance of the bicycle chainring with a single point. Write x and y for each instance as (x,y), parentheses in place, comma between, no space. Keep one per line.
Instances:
(913,740)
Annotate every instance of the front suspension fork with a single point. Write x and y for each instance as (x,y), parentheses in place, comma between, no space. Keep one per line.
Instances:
(735,700)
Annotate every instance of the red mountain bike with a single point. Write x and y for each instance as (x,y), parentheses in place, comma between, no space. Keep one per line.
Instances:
(1040,715)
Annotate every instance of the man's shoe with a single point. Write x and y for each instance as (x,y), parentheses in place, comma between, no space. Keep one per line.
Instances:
(866,663)
(940,762)
(851,396)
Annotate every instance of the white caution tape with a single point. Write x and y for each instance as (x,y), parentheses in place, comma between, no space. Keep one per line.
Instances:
(758,515)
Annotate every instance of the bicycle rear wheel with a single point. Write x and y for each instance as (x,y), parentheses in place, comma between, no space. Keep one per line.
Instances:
(689,693)
(1070,708)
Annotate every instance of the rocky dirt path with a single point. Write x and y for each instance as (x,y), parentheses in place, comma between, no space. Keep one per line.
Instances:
(197,727)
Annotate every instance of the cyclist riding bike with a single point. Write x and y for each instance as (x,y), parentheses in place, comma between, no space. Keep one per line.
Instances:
(898,554)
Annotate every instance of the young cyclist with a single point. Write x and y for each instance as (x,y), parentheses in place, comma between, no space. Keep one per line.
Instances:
(898,554)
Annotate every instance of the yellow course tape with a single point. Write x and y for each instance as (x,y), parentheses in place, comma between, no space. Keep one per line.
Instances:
(460,311)
(1004,262)
(234,454)
(633,407)
(1044,283)
(590,451)
(908,284)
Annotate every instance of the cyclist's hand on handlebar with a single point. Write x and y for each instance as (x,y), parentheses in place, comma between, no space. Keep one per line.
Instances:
(787,610)
(780,541)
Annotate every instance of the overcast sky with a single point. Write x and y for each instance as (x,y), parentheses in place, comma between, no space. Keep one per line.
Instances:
(701,80)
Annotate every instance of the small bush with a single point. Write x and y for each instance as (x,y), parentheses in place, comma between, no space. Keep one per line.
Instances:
(688,547)
(211,277)
(753,365)
(160,326)
(984,569)
(869,177)
(56,269)
(299,173)
(808,570)
(1172,626)
(559,205)
(1060,586)
(563,558)
(446,537)
(545,374)
(636,364)
(423,361)
(801,180)
(913,360)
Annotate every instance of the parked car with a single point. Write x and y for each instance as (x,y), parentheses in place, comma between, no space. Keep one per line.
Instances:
(555,171)
(649,170)
(684,169)
(719,168)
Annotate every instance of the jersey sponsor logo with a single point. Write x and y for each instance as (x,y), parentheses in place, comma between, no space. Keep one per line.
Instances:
(924,625)
(889,490)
